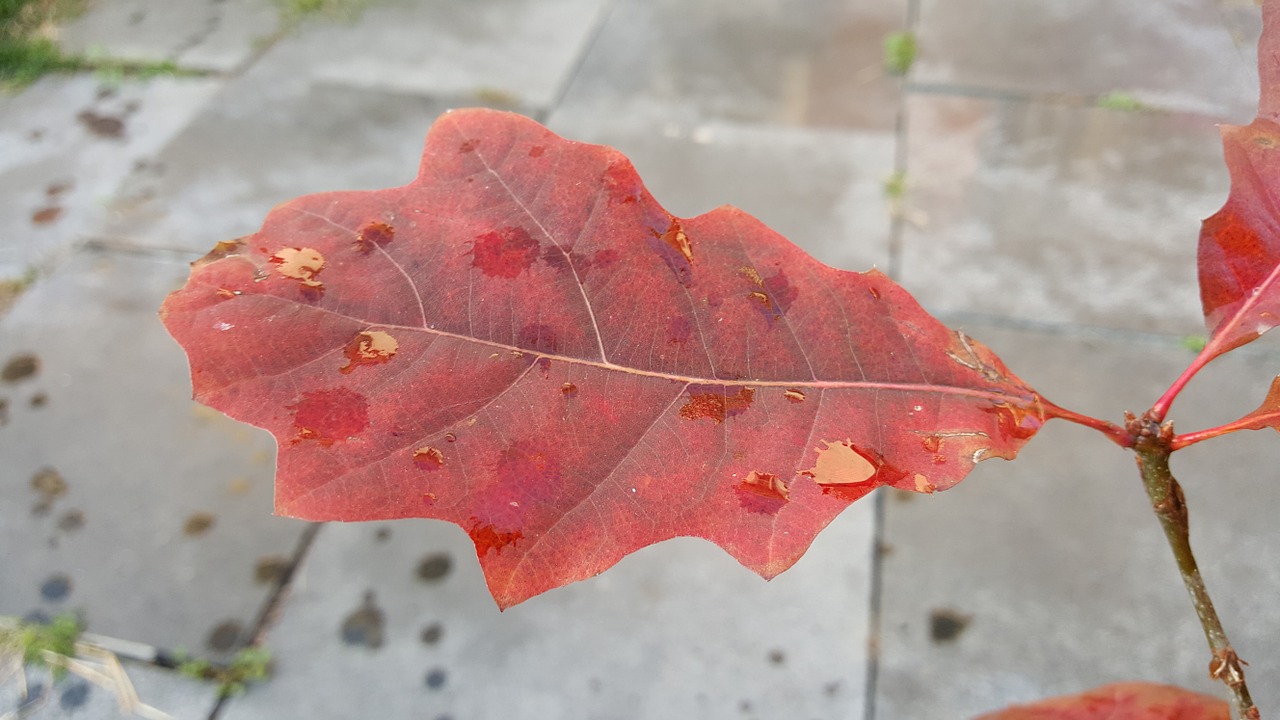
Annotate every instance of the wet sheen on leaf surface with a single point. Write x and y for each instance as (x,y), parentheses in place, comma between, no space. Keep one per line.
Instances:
(522,341)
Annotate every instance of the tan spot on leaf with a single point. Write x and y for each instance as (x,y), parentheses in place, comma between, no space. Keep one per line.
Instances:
(766,485)
(375,234)
(923,485)
(301,264)
(373,347)
(840,464)
(428,458)
(676,238)
(795,395)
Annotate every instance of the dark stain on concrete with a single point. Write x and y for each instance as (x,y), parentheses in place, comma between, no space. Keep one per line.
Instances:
(365,625)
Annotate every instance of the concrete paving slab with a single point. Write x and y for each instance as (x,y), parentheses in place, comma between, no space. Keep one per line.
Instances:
(270,136)
(1182,55)
(66,143)
(823,189)
(813,64)
(75,698)
(505,51)
(786,114)
(217,35)
(1060,214)
(124,500)
(393,620)
(1049,575)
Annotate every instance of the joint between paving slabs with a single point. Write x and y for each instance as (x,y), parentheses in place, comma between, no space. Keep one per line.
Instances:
(273,607)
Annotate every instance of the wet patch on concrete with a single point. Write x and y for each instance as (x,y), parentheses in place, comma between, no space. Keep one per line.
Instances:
(71,520)
(198,524)
(224,636)
(108,127)
(74,695)
(434,567)
(432,633)
(20,367)
(56,587)
(436,678)
(49,485)
(270,569)
(365,625)
(946,625)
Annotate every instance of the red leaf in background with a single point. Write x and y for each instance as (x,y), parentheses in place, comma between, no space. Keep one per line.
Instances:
(1122,701)
(1239,254)
(523,342)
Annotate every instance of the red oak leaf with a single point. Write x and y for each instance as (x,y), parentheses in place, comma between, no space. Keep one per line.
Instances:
(1239,253)
(524,342)
(1122,701)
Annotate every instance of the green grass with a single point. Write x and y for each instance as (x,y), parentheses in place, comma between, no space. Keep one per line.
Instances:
(899,52)
(293,12)
(250,665)
(1120,101)
(27,53)
(895,186)
(33,640)
(1194,343)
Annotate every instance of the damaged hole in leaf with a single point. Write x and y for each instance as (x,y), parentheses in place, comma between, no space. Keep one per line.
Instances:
(715,402)
(428,458)
(375,234)
(569,390)
(373,347)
